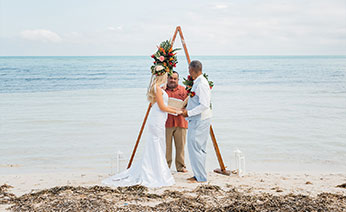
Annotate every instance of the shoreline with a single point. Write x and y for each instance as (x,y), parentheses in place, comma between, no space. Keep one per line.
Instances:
(307,184)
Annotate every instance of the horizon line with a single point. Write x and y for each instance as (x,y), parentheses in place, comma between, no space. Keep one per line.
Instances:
(288,55)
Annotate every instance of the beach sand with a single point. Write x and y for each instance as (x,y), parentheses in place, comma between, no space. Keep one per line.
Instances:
(254,192)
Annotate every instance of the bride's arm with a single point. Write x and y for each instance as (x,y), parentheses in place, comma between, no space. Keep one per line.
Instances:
(161,104)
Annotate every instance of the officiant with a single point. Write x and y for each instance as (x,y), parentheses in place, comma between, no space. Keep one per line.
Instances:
(176,126)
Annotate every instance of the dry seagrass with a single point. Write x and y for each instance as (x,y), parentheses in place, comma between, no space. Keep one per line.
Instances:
(137,198)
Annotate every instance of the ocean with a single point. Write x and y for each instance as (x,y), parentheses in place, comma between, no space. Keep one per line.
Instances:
(73,114)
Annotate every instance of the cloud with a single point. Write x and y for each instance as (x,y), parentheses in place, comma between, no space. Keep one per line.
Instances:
(111,28)
(221,6)
(43,35)
(118,28)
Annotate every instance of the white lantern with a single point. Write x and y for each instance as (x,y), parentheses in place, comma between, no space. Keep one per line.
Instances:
(116,162)
(239,159)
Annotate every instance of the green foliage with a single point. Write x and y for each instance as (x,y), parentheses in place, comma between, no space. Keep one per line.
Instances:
(165,59)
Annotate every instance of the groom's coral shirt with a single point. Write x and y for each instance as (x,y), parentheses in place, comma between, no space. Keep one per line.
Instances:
(176,121)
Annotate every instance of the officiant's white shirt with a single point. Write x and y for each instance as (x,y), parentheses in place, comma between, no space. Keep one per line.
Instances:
(202,90)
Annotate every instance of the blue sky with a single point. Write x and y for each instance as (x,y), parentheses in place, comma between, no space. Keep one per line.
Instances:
(113,27)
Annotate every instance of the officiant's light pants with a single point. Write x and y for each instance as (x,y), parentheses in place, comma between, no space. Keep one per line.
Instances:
(179,135)
(197,137)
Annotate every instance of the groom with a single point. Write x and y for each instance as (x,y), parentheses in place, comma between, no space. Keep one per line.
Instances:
(198,114)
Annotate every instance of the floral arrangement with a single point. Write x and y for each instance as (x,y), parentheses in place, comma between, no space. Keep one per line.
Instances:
(164,59)
(189,83)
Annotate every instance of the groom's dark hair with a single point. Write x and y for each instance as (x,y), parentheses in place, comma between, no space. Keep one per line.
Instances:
(196,66)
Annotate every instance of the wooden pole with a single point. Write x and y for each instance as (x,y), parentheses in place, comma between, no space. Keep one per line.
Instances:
(175,34)
(139,136)
(184,45)
(178,29)
(222,169)
(217,150)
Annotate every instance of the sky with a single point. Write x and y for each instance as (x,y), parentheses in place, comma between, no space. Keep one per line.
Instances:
(225,27)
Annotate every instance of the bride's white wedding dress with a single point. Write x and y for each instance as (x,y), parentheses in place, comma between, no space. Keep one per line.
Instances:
(152,170)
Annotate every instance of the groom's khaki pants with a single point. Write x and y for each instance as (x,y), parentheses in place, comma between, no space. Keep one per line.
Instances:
(179,135)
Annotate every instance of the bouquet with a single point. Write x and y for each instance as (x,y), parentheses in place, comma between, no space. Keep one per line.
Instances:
(164,59)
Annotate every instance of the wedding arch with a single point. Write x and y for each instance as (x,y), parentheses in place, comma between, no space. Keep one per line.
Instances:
(222,169)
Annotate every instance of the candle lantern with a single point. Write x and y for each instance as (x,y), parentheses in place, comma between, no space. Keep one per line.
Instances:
(239,160)
(117,162)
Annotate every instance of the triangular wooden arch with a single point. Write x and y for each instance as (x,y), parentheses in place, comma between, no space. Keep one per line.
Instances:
(222,169)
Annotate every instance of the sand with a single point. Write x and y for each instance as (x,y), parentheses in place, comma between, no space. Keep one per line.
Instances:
(254,192)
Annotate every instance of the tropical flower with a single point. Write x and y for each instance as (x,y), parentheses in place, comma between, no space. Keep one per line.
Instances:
(165,57)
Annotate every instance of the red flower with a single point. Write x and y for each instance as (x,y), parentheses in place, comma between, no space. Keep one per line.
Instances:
(174,65)
(210,87)
(152,56)
(192,94)
(189,78)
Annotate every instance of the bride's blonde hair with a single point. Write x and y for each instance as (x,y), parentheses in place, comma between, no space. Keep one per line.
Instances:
(155,80)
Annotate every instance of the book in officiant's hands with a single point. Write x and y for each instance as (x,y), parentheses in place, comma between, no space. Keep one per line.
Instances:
(176,103)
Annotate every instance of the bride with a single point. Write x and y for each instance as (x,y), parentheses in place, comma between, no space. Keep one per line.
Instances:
(152,170)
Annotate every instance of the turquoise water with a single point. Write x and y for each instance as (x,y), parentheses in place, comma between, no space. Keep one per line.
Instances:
(286,113)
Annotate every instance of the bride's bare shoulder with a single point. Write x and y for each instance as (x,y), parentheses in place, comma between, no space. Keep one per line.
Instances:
(158,89)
